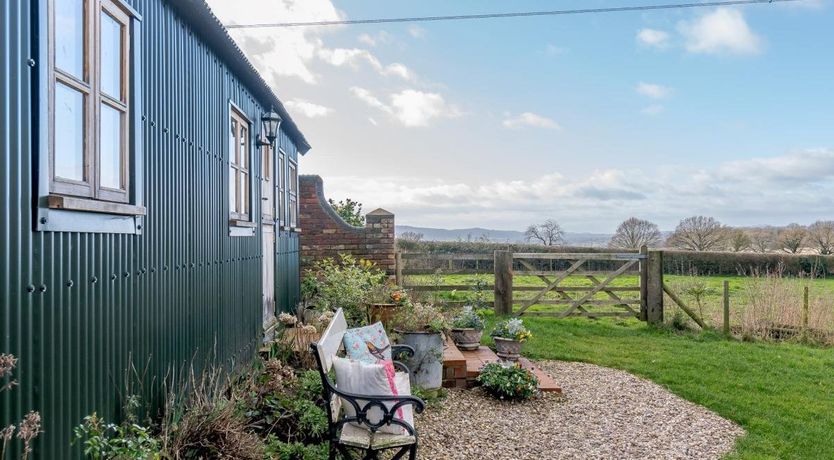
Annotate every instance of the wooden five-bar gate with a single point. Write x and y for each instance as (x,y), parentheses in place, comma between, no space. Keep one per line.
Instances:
(592,284)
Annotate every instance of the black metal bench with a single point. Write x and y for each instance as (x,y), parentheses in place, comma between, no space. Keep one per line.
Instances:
(359,431)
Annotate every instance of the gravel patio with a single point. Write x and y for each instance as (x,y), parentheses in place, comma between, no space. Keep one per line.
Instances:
(604,413)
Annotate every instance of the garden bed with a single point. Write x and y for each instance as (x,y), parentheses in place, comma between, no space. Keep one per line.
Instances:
(605,413)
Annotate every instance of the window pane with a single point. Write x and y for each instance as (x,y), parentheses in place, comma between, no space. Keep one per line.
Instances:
(111,147)
(244,193)
(69,133)
(232,190)
(233,143)
(69,37)
(244,152)
(111,56)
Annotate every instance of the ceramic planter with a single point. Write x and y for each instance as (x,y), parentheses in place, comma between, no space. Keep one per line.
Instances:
(427,363)
(507,349)
(468,338)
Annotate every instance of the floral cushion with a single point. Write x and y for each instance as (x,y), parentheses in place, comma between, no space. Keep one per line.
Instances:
(368,344)
(361,378)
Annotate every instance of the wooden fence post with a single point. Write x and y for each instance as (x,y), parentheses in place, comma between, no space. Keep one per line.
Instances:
(654,284)
(805,306)
(644,283)
(503,282)
(726,308)
(399,268)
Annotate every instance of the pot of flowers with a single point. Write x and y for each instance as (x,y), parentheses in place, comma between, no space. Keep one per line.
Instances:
(385,307)
(421,326)
(508,336)
(467,329)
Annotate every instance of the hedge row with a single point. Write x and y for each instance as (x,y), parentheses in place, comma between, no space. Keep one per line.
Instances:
(745,263)
(674,262)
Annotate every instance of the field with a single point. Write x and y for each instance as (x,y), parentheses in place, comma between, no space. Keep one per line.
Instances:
(781,393)
(751,299)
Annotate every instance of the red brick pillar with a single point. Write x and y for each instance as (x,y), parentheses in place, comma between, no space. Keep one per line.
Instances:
(325,234)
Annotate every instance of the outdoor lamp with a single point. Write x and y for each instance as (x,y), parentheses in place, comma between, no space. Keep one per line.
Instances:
(270,122)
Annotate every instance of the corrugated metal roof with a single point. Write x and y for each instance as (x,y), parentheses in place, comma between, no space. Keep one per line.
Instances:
(208,26)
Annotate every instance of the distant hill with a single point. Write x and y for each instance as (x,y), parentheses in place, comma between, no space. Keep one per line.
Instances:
(499,236)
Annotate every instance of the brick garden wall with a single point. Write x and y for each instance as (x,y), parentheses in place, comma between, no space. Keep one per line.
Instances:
(325,234)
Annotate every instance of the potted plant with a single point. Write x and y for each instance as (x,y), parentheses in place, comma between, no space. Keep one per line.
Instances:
(421,326)
(467,329)
(508,336)
(385,300)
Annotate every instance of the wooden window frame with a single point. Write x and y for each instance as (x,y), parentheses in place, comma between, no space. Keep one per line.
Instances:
(292,194)
(240,215)
(267,174)
(89,86)
(280,184)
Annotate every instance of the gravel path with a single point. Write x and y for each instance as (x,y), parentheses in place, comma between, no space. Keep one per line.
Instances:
(604,413)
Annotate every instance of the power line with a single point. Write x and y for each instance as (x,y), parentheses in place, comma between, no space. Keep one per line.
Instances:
(617,9)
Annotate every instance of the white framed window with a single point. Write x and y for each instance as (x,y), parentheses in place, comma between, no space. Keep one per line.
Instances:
(239,167)
(293,194)
(281,192)
(89,86)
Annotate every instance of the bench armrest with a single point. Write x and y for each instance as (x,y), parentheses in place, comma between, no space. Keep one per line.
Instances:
(363,403)
(401,352)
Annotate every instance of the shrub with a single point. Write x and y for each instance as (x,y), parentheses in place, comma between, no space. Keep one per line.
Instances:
(30,427)
(512,329)
(348,284)
(127,441)
(511,382)
(468,319)
(280,450)
(420,317)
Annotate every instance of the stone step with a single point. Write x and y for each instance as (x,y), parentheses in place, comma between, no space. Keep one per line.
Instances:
(462,367)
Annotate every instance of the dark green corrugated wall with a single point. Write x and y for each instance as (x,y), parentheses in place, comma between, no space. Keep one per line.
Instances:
(183,290)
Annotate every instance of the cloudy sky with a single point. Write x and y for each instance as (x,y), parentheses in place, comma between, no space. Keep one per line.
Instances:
(727,112)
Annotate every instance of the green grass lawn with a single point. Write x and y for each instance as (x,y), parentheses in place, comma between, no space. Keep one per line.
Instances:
(782,394)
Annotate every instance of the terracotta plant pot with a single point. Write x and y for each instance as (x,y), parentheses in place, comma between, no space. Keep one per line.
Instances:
(382,312)
(467,339)
(507,349)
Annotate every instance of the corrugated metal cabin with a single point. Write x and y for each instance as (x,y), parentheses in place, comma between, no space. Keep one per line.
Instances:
(142,218)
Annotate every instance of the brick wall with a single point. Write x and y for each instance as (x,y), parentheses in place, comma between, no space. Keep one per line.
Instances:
(325,234)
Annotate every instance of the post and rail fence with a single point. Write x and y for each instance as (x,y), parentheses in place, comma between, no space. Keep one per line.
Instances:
(592,285)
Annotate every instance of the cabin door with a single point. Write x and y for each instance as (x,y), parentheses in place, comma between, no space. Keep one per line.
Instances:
(268,232)
(269,275)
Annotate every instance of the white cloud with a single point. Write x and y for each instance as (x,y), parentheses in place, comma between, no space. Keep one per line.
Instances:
(293,52)
(653,91)
(653,38)
(418,108)
(747,192)
(529,119)
(380,38)
(353,57)
(412,108)
(417,32)
(308,109)
(368,98)
(722,31)
(654,109)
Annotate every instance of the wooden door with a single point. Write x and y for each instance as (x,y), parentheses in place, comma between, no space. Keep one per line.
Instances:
(268,275)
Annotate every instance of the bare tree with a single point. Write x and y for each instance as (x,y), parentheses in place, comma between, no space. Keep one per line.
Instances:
(740,240)
(411,237)
(821,234)
(634,233)
(792,238)
(549,233)
(699,233)
(762,239)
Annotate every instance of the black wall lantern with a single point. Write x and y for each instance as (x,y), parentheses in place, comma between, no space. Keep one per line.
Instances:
(270,122)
